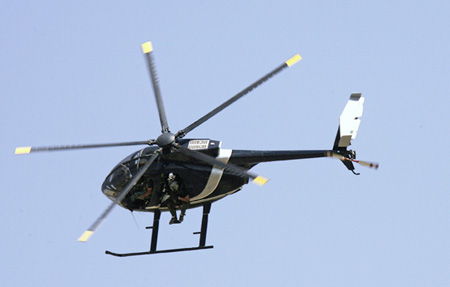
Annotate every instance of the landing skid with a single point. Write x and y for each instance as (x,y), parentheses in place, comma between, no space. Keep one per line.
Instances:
(154,241)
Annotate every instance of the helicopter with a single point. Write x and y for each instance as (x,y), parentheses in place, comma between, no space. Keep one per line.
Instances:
(202,168)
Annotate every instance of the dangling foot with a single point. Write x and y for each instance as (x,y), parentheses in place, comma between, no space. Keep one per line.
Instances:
(174,220)
(182,217)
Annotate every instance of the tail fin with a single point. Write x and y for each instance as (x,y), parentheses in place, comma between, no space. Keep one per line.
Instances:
(348,128)
(349,122)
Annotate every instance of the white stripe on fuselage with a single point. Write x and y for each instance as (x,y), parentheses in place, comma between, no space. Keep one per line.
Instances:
(215,176)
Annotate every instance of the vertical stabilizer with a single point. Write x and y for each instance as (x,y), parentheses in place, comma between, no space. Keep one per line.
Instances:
(349,122)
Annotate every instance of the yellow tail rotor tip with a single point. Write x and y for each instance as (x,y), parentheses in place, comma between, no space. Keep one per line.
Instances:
(147,47)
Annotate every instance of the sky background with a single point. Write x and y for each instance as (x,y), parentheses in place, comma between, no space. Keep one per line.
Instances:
(73,73)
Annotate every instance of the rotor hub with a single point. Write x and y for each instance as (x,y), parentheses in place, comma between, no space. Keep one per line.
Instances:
(165,140)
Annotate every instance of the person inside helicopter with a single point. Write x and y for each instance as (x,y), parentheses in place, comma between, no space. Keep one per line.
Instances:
(175,194)
(142,194)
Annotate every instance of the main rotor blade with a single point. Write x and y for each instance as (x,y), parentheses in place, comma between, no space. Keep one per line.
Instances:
(88,233)
(257,179)
(247,90)
(147,49)
(29,149)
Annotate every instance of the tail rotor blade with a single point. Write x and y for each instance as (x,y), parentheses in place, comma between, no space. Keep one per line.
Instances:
(147,49)
(247,90)
(373,165)
(88,233)
(257,179)
(368,164)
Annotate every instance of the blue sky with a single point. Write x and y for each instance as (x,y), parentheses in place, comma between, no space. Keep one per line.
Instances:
(74,74)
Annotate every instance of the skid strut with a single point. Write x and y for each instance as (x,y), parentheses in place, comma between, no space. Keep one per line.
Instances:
(154,240)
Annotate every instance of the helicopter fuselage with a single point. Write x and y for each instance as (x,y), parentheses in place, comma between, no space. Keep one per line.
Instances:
(203,183)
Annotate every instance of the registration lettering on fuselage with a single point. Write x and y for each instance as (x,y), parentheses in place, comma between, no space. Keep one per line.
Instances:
(198,144)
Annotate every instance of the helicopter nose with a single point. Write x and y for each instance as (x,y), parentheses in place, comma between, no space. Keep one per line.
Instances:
(117,180)
(109,189)
(109,192)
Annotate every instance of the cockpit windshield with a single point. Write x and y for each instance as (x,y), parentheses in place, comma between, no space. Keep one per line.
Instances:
(122,174)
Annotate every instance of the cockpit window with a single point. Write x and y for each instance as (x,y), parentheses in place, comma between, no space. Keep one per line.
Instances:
(122,174)
(131,156)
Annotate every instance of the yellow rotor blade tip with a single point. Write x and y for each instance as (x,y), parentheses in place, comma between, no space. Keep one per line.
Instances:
(147,47)
(260,180)
(293,60)
(85,236)
(23,150)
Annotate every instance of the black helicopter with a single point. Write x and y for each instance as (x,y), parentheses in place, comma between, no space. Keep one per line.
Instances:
(204,170)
